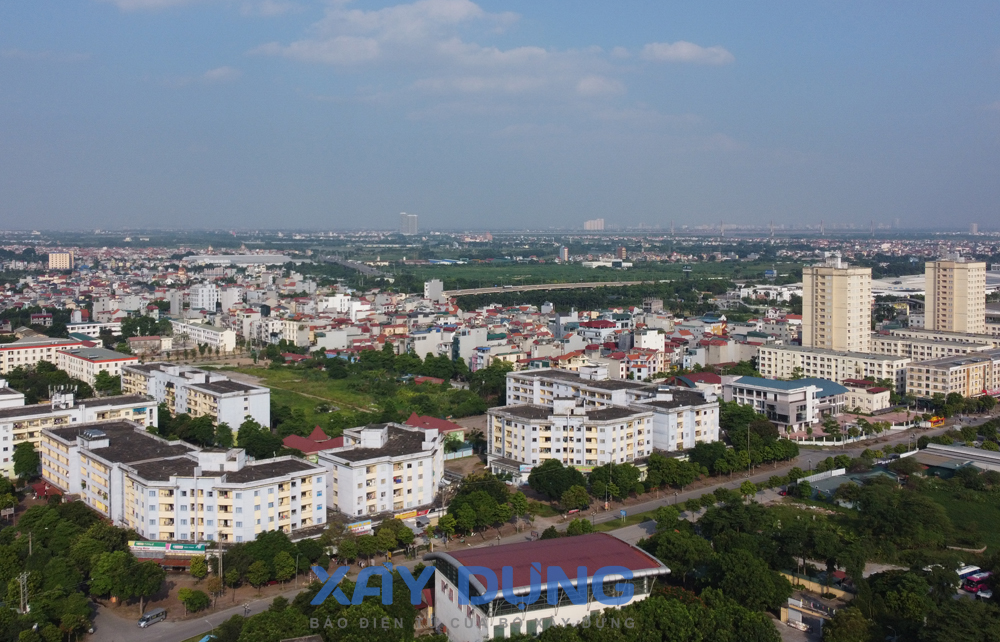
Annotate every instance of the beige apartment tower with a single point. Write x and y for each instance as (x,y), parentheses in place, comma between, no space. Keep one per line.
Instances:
(60,260)
(836,306)
(956,296)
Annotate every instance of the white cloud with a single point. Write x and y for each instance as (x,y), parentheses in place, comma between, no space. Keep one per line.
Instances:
(506,84)
(620,52)
(599,86)
(340,51)
(44,56)
(682,51)
(220,75)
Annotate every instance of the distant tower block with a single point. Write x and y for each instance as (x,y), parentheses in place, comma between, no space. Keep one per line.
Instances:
(973,228)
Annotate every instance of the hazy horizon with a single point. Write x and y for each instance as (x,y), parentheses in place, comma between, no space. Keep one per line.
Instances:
(338,115)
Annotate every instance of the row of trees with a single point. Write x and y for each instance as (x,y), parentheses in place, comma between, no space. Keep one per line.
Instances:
(67,553)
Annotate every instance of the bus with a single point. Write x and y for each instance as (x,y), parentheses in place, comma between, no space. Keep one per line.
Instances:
(977,582)
(967,571)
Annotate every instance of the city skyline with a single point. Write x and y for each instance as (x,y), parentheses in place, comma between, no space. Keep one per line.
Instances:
(340,115)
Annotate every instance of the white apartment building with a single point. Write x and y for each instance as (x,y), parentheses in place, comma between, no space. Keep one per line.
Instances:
(384,468)
(865,396)
(231,296)
(174,491)
(61,260)
(202,333)
(27,352)
(919,334)
(94,330)
(836,306)
(199,392)
(671,418)
(956,296)
(204,296)
(85,363)
(20,423)
(525,436)
(925,348)
(782,362)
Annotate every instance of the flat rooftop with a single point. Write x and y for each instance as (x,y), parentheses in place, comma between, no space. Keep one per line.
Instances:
(227,386)
(127,442)
(867,356)
(959,360)
(99,354)
(399,442)
(269,469)
(680,398)
(573,377)
(96,402)
(162,470)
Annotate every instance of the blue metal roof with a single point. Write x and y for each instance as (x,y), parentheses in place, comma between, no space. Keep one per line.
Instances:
(826,387)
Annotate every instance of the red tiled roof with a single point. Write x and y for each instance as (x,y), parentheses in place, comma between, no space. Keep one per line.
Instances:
(593,551)
(441,425)
(309,445)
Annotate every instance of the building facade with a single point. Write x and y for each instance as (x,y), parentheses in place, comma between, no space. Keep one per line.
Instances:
(173,491)
(836,306)
(85,363)
(20,423)
(969,375)
(60,260)
(198,392)
(384,468)
(956,296)
(202,333)
(794,406)
(786,362)
(498,619)
(27,352)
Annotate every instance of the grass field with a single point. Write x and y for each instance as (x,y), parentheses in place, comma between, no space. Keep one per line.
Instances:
(984,515)
(629,520)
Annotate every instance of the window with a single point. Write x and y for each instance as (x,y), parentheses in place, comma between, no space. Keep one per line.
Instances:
(152,521)
(152,493)
(209,522)
(270,504)
(239,495)
(319,493)
(239,509)
(256,493)
(239,524)
(184,522)
(256,507)
(258,522)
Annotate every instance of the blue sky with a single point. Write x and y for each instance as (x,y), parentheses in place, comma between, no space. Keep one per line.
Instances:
(492,115)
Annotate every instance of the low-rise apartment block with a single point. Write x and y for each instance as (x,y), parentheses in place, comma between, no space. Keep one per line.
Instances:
(585,419)
(85,363)
(27,352)
(384,468)
(20,423)
(865,396)
(204,334)
(785,362)
(969,375)
(173,491)
(199,392)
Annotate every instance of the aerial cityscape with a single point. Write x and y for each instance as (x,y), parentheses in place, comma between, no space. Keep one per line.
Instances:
(568,323)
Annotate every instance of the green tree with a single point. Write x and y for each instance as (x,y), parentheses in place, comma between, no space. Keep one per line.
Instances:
(579,526)
(258,574)
(367,546)
(26,460)
(224,435)
(848,625)
(106,385)
(272,626)
(147,578)
(284,566)
(575,497)
(748,489)
(552,479)
(199,567)
(111,574)
(519,504)
(193,600)
(747,579)
(446,524)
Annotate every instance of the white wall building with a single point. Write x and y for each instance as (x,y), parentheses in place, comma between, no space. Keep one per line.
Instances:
(198,392)
(27,352)
(785,362)
(202,333)
(384,468)
(85,363)
(204,296)
(20,423)
(174,491)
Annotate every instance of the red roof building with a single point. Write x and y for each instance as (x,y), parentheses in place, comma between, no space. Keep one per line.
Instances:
(314,443)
